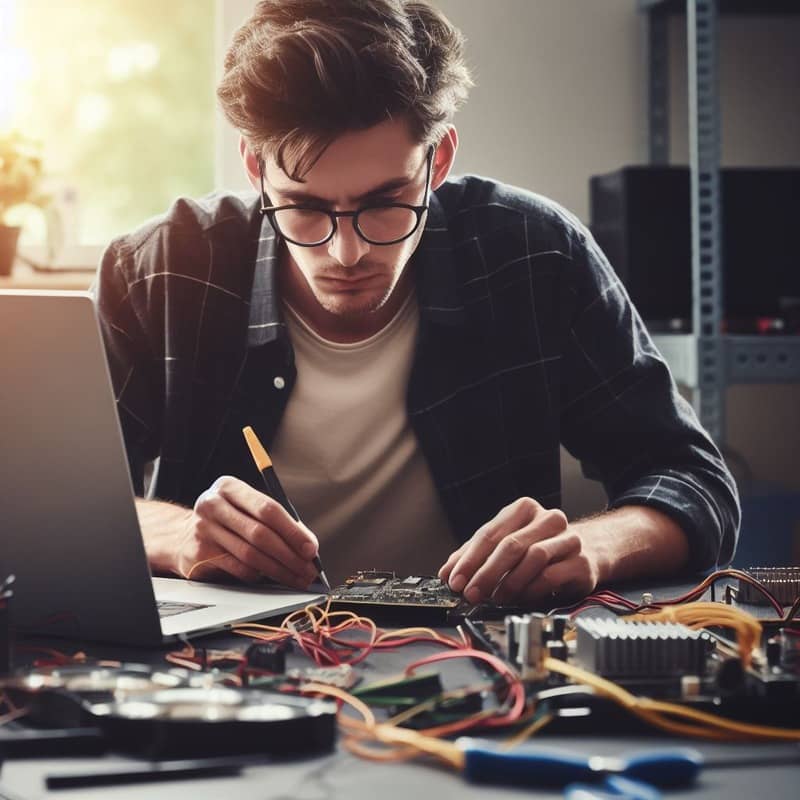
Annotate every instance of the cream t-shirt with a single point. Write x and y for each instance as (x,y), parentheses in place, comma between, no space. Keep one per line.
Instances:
(348,458)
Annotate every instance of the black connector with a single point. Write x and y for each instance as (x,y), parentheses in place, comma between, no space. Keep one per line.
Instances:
(267,656)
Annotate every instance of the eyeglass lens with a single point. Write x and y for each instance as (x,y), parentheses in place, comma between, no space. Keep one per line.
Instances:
(380,224)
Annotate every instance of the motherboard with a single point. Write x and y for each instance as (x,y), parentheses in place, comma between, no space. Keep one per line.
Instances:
(409,600)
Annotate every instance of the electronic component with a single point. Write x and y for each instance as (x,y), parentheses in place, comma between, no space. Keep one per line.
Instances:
(399,695)
(617,649)
(385,597)
(342,675)
(173,713)
(640,216)
(782,582)
(783,651)
(97,677)
(412,689)
(444,710)
(267,656)
(526,643)
(697,664)
(59,695)
(189,722)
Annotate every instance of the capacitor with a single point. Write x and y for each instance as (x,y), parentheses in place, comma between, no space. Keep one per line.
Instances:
(773,651)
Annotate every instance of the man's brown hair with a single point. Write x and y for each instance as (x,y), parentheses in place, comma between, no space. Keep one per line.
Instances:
(300,73)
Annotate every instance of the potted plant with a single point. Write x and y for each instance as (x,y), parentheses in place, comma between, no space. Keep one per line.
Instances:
(20,177)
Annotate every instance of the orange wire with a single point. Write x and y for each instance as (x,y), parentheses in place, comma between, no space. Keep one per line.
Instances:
(197,564)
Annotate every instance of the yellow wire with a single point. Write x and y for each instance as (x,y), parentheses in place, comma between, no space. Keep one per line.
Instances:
(411,742)
(744,728)
(652,710)
(379,751)
(387,742)
(341,694)
(527,732)
(404,632)
(704,615)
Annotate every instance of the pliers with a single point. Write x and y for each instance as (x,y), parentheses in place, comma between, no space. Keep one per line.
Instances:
(638,777)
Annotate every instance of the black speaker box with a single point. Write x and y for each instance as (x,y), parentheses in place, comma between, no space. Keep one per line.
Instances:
(640,217)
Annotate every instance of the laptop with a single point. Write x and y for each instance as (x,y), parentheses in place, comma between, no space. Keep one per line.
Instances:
(68,524)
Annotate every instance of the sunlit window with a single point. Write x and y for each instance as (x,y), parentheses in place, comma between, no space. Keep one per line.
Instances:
(121,95)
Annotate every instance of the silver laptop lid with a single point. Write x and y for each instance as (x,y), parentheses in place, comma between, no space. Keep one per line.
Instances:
(68,525)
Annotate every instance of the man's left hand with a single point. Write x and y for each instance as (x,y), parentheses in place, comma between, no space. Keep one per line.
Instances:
(525,555)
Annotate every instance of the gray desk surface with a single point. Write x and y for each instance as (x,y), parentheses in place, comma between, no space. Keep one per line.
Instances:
(342,775)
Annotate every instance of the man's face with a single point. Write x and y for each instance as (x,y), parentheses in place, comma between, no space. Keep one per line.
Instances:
(347,276)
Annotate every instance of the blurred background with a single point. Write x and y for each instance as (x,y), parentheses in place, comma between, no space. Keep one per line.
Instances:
(118,96)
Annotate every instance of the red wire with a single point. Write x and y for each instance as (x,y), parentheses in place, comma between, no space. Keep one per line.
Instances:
(516,689)
(611,600)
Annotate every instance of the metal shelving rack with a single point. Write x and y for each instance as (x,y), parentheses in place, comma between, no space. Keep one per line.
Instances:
(707,360)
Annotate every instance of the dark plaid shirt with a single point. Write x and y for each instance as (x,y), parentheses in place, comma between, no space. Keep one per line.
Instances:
(527,340)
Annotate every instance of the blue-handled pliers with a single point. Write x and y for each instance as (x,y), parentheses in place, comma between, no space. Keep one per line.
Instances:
(638,777)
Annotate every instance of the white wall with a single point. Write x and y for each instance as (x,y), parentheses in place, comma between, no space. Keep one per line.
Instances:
(558,94)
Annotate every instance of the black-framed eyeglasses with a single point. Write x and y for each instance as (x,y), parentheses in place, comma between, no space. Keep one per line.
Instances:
(376,223)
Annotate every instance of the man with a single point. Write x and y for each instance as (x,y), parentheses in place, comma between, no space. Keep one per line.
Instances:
(411,350)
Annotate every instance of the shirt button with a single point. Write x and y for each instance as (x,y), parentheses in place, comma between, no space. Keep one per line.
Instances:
(278,382)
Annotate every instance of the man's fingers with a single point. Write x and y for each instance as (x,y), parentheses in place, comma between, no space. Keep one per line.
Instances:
(508,536)
(540,557)
(559,583)
(242,551)
(263,539)
(452,559)
(269,512)
(519,561)
(266,564)
(462,564)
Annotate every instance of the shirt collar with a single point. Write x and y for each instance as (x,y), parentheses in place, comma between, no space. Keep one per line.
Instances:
(436,281)
(266,321)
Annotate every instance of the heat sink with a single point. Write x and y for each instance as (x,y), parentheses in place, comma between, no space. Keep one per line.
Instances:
(617,649)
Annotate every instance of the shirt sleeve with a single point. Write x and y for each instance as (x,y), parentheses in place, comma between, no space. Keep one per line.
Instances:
(130,361)
(623,418)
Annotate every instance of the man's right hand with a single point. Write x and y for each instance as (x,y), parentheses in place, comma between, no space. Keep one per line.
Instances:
(233,529)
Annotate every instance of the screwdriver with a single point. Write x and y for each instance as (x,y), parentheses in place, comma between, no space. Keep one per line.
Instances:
(274,488)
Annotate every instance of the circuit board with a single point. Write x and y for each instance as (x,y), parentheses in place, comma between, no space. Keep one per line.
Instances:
(698,665)
(386,597)
(782,582)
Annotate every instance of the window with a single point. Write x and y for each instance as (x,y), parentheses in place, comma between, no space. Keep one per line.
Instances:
(121,95)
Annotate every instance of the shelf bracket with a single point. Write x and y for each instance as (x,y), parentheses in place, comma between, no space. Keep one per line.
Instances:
(704,159)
